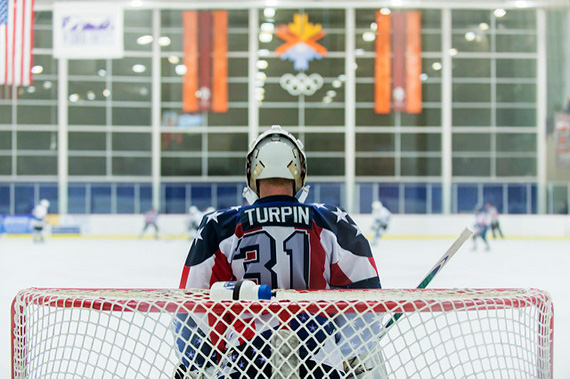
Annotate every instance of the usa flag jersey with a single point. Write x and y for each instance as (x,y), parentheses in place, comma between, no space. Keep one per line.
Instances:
(283,243)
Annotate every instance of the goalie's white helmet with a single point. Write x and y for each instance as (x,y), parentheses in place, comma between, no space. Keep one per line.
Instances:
(276,153)
(44,203)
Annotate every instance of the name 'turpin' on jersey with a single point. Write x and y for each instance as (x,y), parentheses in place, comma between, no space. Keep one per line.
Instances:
(296,215)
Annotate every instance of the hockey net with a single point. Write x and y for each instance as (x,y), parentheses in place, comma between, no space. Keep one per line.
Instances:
(141,333)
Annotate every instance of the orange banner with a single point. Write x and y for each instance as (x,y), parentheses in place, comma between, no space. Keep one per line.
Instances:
(413,63)
(190,48)
(398,61)
(220,62)
(382,68)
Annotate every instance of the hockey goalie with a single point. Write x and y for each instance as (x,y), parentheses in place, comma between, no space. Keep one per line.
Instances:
(279,241)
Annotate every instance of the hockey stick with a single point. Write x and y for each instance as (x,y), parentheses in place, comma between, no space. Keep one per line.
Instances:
(459,241)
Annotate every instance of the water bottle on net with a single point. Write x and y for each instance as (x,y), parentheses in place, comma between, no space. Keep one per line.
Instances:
(240,290)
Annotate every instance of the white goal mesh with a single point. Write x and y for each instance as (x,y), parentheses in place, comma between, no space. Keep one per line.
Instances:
(141,333)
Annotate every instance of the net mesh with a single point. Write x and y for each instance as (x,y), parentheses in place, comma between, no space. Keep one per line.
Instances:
(334,333)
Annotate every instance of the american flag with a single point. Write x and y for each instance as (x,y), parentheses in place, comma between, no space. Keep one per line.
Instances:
(16,41)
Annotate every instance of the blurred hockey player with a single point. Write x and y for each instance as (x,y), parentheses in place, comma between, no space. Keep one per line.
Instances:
(481,227)
(381,220)
(150,219)
(194,218)
(494,220)
(279,241)
(38,222)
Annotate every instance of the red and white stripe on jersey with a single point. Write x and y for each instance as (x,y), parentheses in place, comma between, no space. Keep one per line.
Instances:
(330,251)
(346,268)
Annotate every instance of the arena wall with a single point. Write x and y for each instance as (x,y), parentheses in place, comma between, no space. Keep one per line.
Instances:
(402,226)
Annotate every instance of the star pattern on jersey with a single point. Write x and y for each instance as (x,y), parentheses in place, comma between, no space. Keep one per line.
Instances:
(235,208)
(261,359)
(198,235)
(213,216)
(358,231)
(340,215)
(320,205)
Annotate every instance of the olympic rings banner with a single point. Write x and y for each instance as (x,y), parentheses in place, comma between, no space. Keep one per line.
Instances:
(301,84)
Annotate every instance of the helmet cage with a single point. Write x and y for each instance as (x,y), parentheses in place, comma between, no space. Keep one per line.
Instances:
(276,153)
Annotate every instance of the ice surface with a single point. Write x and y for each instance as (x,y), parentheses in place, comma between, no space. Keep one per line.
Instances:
(96,263)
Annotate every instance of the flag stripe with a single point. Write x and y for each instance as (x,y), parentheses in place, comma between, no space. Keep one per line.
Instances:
(28,44)
(220,63)
(16,41)
(413,64)
(10,44)
(3,59)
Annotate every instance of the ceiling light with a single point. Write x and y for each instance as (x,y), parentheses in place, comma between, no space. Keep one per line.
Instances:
(180,69)
(37,69)
(265,37)
(499,12)
(164,41)
(262,64)
(269,12)
(144,40)
(139,68)
(469,36)
(368,36)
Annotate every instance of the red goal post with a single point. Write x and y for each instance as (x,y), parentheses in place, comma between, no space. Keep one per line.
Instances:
(131,333)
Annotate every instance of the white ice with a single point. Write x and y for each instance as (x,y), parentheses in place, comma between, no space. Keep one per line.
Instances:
(96,263)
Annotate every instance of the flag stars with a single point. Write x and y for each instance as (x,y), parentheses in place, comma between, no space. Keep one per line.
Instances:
(358,231)
(199,234)
(320,205)
(213,216)
(340,215)
(261,359)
